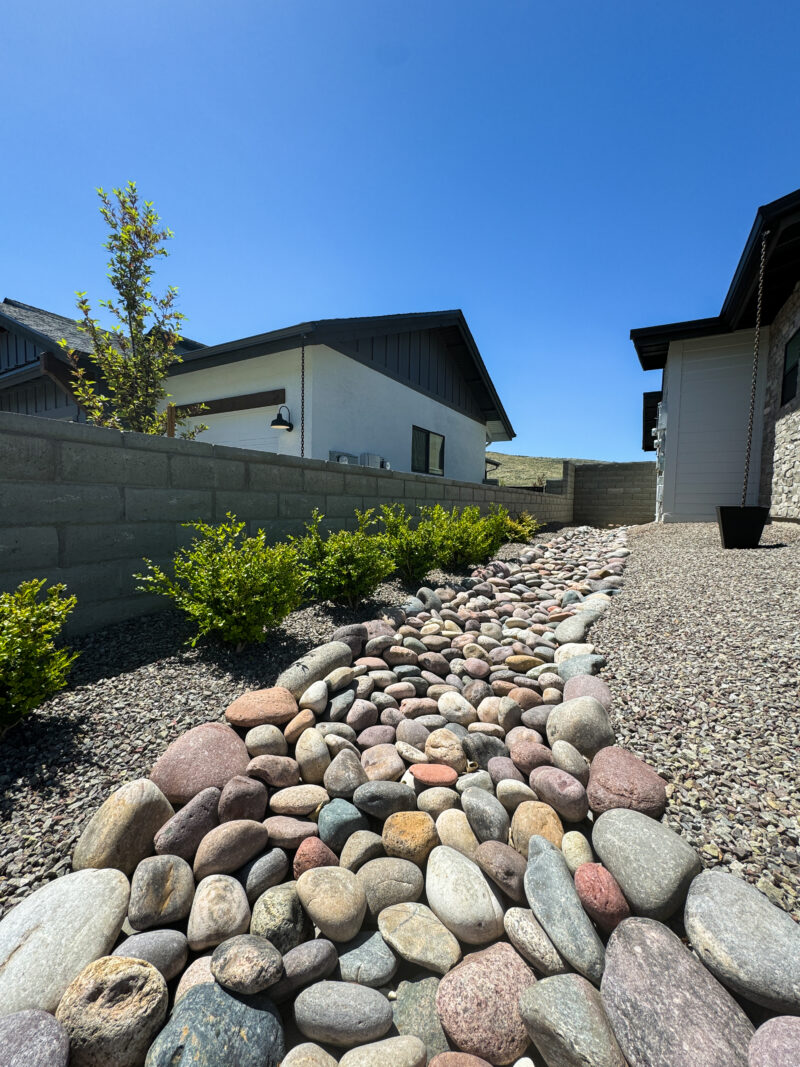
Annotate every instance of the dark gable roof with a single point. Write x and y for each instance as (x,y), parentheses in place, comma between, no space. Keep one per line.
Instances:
(782,272)
(460,343)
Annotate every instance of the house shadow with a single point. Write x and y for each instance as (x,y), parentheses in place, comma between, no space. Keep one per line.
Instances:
(33,752)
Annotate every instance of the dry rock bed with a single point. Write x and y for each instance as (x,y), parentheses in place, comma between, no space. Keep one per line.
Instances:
(422,842)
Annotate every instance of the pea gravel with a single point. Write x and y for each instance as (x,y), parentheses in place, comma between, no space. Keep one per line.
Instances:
(703,650)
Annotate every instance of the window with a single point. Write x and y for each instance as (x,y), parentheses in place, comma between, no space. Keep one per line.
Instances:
(427,451)
(791,358)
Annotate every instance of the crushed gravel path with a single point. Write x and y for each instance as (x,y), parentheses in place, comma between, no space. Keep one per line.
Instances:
(703,650)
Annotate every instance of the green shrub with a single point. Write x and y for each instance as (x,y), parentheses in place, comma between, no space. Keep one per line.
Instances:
(229,586)
(466,537)
(344,566)
(414,549)
(522,527)
(31,667)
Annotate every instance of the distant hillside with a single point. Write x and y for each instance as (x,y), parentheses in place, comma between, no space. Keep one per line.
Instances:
(529,470)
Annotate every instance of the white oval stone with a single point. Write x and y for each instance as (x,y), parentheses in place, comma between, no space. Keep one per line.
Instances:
(461,897)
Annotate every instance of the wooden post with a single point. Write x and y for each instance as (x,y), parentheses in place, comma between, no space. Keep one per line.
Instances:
(170,420)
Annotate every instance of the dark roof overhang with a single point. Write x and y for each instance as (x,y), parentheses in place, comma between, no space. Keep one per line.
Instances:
(781,274)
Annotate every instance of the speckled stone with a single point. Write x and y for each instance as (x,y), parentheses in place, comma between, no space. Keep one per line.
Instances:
(410,836)
(531,819)
(275,706)
(458,1059)
(313,756)
(367,960)
(183,833)
(219,911)
(298,800)
(312,853)
(207,755)
(397,1051)
(478,1004)
(360,848)
(342,1014)
(382,799)
(601,897)
(664,1006)
(334,900)
(387,881)
(167,950)
(309,962)
(487,816)
(414,933)
(314,666)
(566,1020)
(344,775)
(243,798)
(246,964)
(308,1054)
(504,866)
(196,973)
(618,779)
(162,890)
(263,873)
(583,721)
(278,916)
(266,741)
(33,1038)
(460,896)
(567,758)
(776,1043)
(228,846)
(278,772)
(120,834)
(436,800)
(415,1014)
(286,832)
(532,943)
(561,791)
(338,821)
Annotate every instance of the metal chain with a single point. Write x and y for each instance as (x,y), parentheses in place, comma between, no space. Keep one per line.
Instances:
(756,343)
(303,401)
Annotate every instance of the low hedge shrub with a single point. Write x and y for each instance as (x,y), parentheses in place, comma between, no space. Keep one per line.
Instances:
(344,566)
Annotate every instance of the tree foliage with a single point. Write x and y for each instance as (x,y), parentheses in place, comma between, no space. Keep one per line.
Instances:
(132,360)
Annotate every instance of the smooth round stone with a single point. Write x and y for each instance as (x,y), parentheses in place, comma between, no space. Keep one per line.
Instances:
(575,665)
(243,798)
(433,774)
(314,666)
(246,964)
(532,943)
(309,962)
(339,678)
(167,950)
(601,897)
(528,755)
(33,1038)
(435,801)
(112,1011)
(535,718)
(664,1006)
(207,755)
(308,1055)
(522,733)
(334,900)
(382,799)
(360,848)
(494,978)
(504,866)
(162,889)
(618,779)
(342,1014)
(653,866)
(417,936)
(278,772)
(228,846)
(262,873)
(388,881)
(286,832)
(583,721)
(382,763)
(487,816)
(312,853)
(746,941)
(185,830)
(219,911)
(534,819)
(567,758)
(85,909)
(502,768)
(588,685)
(454,830)
(512,793)
(775,1044)
(279,916)
(410,835)
(303,720)
(275,706)
(576,849)
(120,834)
(460,896)
(415,1014)
(565,1019)
(367,960)
(313,756)
(298,799)
(457,1059)
(561,791)
(362,715)
(213,1028)
(376,737)
(527,697)
(432,721)
(398,1051)
(475,780)
(196,973)
(337,744)
(480,748)
(442,746)
(455,708)
(338,821)
(410,732)
(315,698)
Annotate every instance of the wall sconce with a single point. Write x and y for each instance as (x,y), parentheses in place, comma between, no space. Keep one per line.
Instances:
(281,423)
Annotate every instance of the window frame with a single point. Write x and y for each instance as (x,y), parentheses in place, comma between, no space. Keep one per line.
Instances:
(790,372)
(428,435)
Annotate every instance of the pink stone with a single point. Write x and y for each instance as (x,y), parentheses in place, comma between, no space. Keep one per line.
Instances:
(286,832)
(527,755)
(433,774)
(313,853)
(207,755)
(600,896)
(561,791)
(276,706)
(618,779)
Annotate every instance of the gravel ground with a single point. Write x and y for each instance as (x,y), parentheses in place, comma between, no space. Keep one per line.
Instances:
(703,652)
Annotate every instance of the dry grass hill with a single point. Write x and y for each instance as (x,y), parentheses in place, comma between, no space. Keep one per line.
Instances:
(529,470)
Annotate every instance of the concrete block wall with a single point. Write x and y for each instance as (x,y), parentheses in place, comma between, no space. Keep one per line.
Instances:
(82,505)
(614,493)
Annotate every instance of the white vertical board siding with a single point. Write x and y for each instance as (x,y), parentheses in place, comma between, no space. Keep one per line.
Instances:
(707,396)
(361,410)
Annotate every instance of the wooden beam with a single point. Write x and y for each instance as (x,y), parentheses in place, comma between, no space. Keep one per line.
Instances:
(270,398)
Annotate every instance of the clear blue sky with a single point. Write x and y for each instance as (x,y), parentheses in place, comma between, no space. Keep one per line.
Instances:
(561,172)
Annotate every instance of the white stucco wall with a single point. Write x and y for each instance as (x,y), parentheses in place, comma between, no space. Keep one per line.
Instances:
(706,400)
(356,409)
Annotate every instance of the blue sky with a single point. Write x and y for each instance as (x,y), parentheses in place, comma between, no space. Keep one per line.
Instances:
(562,173)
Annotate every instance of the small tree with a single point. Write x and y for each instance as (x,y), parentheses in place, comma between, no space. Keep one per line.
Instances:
(134,357)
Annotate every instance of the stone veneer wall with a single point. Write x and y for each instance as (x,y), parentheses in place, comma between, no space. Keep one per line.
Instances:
(82,505)
(780,453)
(614,493)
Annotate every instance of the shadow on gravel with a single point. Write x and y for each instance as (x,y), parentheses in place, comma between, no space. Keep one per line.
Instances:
(33,751)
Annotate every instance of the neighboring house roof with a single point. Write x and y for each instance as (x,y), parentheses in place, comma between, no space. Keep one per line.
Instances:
(782,272)
(338,333)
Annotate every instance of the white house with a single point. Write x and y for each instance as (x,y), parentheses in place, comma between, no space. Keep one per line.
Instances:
(407,392)
(697,422)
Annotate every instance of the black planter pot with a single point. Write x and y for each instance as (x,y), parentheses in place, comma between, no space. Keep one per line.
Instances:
(741,527)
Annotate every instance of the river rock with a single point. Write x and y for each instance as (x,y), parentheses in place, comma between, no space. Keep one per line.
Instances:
(334,900)
(436,800)
(382,799)
(342,1014)
(314,666)
(286,832)
(48,939)
(310,962)
(460,896)
(344,775)
(454,830)
(576,849)
(183,833)
(652,864)
(493,979)
(461,1059)
(387,881)
(776,1043)
(561,791)
(487,816)
(601,897)
(228,846)
(167,950)
(210,1027)
(112,1011)
(278,772)
(246,964)
(261,707)
(263,873)
(381,761)
(308,1055)
(360,848)
(266,741)
(338,821)
(534,819)
(415,934)
(618,779)
(415,1014)
(278,916)
(566,1020)
(162,889)
(367,960)
(512,793)
(33,1038)
(121,832)
(243,798)
(397,1051)
(196,973)
(312,853)
(588,685)
(298,799)
(207,755)
(567,758)
(410,835)
(746,941)
(219,911)
(504,866)
(583,722)
(664,1006)
(532,943)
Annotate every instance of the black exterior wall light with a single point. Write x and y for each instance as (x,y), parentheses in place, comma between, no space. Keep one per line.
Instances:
(280,422)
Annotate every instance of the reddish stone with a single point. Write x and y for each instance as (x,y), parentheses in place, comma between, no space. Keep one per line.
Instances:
(432,774)
(375,735)
(260,706)
(501,768)
(313,853)
(526,698)
(528,755)
(502,689)
(302,721)
(601,897)
(457,1059)
(372,663)
(228,847)
(434,662)
(412,709)
(477,668)
(618,779)
(187,828)
(286,832)
(562,791)
(362,715)
(243,798)
(205,756)
(588,685)
(279,772)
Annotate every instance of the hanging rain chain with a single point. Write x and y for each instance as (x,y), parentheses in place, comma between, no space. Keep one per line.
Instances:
(303,400)
(756,342)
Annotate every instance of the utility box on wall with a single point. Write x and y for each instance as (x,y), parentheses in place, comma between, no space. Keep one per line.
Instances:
(343,457)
